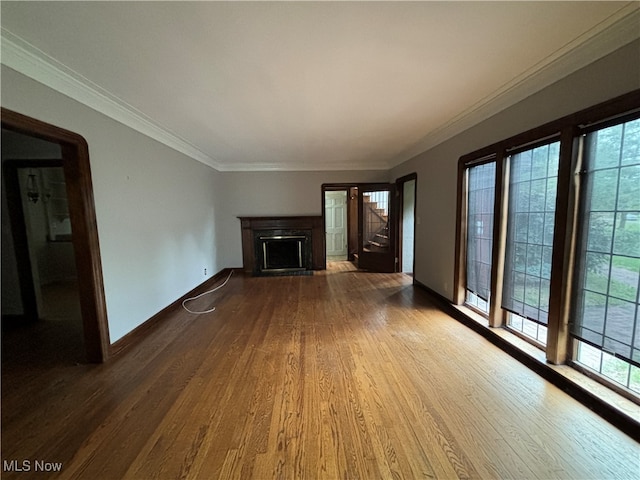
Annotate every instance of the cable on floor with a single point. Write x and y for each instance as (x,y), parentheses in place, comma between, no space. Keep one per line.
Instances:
(202,295)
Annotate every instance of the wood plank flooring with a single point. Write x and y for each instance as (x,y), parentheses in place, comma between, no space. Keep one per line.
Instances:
(343,374)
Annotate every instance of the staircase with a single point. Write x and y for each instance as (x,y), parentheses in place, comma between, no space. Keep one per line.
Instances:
(376,225)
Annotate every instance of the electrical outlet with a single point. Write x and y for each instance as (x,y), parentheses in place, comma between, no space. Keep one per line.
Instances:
(205,271)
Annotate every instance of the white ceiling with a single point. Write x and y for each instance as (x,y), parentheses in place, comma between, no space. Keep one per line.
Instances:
(306,85)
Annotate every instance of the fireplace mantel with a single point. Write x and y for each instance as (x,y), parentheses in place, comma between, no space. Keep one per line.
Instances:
(250,225)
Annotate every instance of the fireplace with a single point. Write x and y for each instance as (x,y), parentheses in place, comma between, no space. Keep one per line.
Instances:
(279,252)
(282,245)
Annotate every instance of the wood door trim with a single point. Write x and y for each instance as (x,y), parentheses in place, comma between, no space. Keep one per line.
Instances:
(77,171)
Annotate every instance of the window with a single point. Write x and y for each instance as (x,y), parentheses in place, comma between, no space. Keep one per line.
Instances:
(606,307)
(533,182)
(565,200)
(480,206)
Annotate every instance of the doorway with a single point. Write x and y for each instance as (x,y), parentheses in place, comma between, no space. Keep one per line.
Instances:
(370,224)
(340,222)
(73,171)
(377,227)
(335,214)
(406,237)
(381,220)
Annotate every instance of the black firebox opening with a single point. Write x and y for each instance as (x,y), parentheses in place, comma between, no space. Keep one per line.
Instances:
(280,252)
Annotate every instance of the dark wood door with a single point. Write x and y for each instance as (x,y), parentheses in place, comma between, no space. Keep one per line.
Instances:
(376,227)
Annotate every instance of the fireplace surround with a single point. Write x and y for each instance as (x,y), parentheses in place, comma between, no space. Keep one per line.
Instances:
(282,245)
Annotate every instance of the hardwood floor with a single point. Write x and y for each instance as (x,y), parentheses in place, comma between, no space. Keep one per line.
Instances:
(343,374)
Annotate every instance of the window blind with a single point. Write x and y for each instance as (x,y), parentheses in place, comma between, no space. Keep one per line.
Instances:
(480,204)
(533,183)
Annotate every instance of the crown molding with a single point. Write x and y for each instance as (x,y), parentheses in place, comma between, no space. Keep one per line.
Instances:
(611,34)
(297,167)
(28,60)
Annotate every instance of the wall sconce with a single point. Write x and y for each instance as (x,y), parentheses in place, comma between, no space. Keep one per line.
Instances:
(32,188)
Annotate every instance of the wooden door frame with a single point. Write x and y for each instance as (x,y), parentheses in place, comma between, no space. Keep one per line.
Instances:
(77,172)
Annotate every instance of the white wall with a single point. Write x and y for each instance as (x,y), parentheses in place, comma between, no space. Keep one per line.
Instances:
(606,78)
(273,193)
(155,207)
